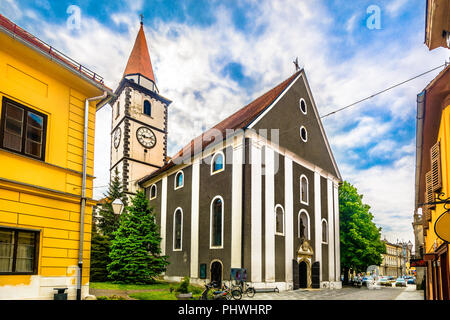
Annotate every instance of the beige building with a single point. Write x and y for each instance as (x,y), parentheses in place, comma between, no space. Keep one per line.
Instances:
(393,260)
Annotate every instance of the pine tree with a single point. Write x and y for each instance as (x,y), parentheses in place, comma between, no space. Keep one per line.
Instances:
(100,248)
(108,221)
(135,251)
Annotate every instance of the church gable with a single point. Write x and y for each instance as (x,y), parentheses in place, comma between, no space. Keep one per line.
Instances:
(300,128)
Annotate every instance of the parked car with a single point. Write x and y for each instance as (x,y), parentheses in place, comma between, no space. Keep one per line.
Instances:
(411,280)
(384,281)
(400,282)
(391,279)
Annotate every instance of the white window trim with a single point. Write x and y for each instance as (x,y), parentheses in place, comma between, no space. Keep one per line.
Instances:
(307,190)
(175,180)
(212,162)
(275,211)
(326,228)
(308,226)
(173,240)
(300,106)
(303,127)
(211,223)
(156,191)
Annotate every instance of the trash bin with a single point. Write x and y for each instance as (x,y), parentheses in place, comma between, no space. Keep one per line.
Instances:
(61,295)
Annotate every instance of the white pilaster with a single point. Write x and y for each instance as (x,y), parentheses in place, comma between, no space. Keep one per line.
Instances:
(337,236)
(270,215)
(256,212)
(317,222)
(331,231)
(289,218)
(163,214)
(195,217)
(236,211)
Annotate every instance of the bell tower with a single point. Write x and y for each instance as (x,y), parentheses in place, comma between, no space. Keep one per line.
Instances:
(139,120)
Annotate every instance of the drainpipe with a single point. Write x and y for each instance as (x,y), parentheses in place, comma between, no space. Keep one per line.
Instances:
(83,190)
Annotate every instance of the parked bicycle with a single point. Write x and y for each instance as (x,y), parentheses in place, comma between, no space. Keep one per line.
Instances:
(244,289)
(226,293)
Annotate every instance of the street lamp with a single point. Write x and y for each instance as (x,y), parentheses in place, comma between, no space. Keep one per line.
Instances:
(117,206)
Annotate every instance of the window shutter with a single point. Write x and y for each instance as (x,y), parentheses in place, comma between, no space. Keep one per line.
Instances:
(429,194)
(435,153)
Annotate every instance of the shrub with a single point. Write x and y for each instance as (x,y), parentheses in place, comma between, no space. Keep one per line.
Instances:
(184,286)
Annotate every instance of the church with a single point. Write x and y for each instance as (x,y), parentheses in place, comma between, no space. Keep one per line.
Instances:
(258,191)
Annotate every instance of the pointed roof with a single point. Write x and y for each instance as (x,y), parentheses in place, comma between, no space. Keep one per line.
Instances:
(139,61)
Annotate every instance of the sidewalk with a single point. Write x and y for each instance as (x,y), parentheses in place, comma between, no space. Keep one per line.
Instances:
(410,293)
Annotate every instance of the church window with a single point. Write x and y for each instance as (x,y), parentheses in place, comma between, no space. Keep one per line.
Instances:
(147,108)
(279,220)
(153,192)
(217,163)
(304,189)
(179,180)
(177,229)
(217,223)
(303,107)
(118,109)
(324,231)
(303,134)
(303,225)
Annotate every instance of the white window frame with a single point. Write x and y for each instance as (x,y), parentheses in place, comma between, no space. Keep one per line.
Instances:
(303,127)
(211,211)
(300,106)
(308,226)
(324,241)
(173,240)
(307,190)
(156,191)
(275,212)
(175,180)
(212,162)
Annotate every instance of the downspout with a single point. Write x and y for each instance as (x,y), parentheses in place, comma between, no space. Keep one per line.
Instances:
(83,190)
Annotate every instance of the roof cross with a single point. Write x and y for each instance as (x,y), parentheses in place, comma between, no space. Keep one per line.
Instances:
(297,68)
(142,18)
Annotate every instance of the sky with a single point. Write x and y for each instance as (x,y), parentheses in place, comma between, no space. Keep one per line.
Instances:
(213,57)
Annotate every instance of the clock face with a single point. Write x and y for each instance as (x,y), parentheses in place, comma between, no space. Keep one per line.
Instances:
(146,137)
(117,136)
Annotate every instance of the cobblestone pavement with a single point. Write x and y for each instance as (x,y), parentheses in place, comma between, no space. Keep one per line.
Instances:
(346,293)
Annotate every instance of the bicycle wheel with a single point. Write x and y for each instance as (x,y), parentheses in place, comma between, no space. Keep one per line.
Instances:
(250,292)
(236,294)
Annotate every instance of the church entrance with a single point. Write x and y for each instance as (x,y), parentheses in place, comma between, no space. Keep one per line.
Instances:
(216,273)
(303,274)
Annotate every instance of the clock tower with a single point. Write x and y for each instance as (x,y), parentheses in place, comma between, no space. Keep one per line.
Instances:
(139,120)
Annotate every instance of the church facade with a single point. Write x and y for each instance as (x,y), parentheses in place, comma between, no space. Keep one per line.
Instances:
(257,191)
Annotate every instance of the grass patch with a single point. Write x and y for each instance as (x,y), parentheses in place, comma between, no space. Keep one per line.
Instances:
(117,286)
(154,295)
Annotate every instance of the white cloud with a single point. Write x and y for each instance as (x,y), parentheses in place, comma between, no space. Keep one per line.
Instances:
(393,8)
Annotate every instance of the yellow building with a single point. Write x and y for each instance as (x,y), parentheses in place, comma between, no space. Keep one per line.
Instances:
(433,161)
(392,260)
(46,176)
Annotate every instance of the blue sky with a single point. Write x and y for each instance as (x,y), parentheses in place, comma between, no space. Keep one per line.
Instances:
(213,57)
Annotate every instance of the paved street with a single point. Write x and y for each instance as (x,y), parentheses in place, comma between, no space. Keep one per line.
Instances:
(346,293)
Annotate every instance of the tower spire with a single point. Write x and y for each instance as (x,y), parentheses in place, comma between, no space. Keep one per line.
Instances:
(139,61)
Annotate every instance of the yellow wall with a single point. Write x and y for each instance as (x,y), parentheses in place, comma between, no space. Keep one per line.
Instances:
(444,138)
(45,195)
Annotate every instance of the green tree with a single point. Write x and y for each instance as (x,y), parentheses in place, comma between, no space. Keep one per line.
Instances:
(361,244)
(135,251)
(102,230)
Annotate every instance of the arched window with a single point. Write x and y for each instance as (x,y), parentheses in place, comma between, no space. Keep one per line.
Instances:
(177,229)
(324,231)
(304,190)
(303,225)
(217,163)
(303,107)
(147,108)
(118,109)
(279,220)
(303,134)
(179,180)
(217,223)
(153,191)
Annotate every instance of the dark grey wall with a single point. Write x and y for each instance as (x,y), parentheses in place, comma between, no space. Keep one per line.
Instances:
(156,203)
(287,117)
(211,186)
(280,199)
